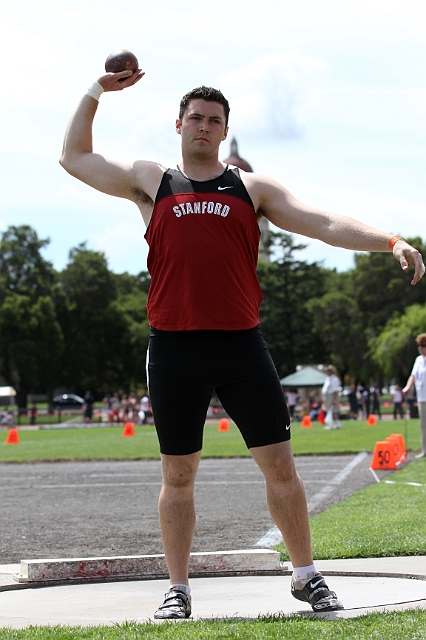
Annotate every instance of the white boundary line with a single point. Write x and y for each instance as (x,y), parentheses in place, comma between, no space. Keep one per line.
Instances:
(273,536)
(412,484)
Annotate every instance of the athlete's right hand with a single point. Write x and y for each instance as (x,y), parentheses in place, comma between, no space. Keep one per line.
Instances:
(120,81)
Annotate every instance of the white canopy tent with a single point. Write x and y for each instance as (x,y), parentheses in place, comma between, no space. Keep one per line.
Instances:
(8,392)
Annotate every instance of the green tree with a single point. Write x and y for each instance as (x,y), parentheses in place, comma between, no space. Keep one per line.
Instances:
(30,335)
(381,289)
(357,306)
(48,345)
(337,323)
(128,283)
(394,348)
(95,353)
(287,285)
(31,344)
(83,328)
(131,302)
(22,267)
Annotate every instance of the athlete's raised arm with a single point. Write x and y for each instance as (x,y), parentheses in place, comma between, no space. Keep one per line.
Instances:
(281,208)
(138,181)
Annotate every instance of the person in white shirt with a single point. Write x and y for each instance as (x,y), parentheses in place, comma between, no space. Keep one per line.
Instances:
(145,411)
(330,394)
(418,378)
(291,397)
(397,402)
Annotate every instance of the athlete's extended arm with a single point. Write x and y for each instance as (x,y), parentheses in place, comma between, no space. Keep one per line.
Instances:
(279,206)
(78,158)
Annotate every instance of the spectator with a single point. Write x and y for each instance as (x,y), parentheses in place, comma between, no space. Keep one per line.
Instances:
(366,401)
(330,394)
(418,378)
(314,405)
(124,408)
(88,407)
(33,414)
(375,394)
(291,398)
(145,408)
(132,407)
(106,407)
(115,408)
(397,402)
(353,403)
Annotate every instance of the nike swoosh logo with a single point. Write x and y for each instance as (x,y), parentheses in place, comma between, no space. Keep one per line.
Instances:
(287,427)
(223,188)
(315,584)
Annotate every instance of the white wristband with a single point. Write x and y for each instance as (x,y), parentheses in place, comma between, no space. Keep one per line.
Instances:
(95,91)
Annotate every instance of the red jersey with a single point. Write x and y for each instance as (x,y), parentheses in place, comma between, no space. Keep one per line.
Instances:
(203,248)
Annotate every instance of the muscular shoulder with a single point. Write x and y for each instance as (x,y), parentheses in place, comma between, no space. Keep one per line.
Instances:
(273,201)
(146,180)
(266,193)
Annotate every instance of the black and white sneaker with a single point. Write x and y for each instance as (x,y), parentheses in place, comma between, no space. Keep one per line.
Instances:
(316,593)
(176,605)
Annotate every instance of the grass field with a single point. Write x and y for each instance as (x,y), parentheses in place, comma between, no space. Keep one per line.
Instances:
(381,520)
(405,625)
(108,443)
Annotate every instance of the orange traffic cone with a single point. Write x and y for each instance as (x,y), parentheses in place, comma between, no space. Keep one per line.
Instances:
(398,441)
(321,417)
(223,425)
(12,436)
(306,422)
(383,456)
(128,431)
(371,420)
(401,441)
(396,449)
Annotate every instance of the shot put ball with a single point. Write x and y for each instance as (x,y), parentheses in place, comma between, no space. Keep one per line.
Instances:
(121,60)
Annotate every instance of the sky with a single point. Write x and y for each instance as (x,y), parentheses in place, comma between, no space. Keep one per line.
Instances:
(327,96)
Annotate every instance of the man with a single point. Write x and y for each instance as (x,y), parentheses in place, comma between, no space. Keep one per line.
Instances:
(397,399)
(330,395)
(375,394)
(366,400)
(203,305)
(88,407)
(145,410)
(291,398)
(418,379)
(353,402)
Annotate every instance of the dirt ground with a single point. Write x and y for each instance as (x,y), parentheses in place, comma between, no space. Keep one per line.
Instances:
(83,509)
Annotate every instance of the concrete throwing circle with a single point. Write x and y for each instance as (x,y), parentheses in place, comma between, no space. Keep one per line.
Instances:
(240,597)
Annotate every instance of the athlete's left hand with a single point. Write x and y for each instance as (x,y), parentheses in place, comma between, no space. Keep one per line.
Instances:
(406,254)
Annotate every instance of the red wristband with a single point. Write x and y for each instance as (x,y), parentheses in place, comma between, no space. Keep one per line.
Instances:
(392,242)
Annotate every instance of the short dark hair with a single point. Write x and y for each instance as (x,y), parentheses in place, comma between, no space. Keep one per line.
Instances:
(204,93)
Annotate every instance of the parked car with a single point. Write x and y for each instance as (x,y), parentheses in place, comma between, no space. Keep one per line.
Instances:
(68,401)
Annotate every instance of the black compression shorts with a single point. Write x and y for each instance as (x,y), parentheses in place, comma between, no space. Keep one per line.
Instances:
(184,367)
